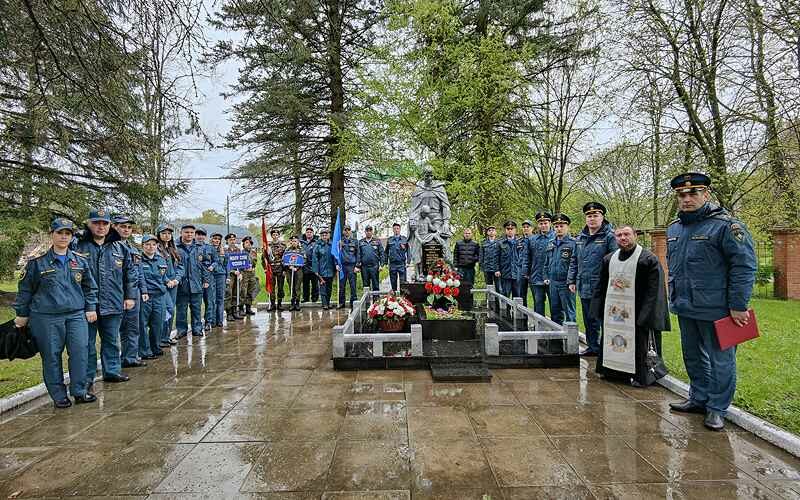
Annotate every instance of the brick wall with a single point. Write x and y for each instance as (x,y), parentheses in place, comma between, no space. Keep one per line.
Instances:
(786,262)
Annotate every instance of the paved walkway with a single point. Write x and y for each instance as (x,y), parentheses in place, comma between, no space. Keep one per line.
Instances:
(258,412)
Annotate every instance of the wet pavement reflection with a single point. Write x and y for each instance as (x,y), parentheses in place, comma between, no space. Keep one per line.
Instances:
(257,411)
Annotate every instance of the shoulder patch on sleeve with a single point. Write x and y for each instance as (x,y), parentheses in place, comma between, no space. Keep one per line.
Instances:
(673,221)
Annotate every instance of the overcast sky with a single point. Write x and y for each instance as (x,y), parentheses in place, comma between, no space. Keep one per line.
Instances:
(216,122)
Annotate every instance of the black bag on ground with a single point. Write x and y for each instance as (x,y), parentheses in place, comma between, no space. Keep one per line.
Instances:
(16,343)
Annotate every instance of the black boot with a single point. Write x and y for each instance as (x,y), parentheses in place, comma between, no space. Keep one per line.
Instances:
(231,315)
(279,308)
(248,310)
(271,306)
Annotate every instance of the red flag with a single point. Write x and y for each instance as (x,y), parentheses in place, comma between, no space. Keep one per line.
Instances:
(265,260)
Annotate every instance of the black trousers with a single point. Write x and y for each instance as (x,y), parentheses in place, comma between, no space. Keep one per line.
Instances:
(310,286)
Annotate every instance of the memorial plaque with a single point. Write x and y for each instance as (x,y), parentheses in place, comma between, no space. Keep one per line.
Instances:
(431,252)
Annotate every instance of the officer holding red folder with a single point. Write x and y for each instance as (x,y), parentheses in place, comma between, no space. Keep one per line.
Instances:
(712,268)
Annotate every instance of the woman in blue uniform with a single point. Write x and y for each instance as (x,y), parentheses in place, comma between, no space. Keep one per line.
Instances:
(154,272)
(168,250)
(57,297)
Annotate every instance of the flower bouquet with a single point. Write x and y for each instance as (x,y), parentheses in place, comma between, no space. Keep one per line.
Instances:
(391,312)
(442,285)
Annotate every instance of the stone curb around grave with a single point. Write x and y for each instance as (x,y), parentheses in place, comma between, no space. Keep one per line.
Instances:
(781,438)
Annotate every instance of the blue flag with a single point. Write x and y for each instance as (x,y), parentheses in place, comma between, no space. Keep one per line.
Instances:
(337,238)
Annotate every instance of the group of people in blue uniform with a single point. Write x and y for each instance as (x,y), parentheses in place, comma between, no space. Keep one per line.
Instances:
(97,283)
(100,284)
(366,256)
(711,272)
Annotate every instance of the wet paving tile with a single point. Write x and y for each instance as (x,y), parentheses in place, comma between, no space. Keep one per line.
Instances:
(681,458)
(606,460)
(326,376)
(439,423)
(313,396)
(270,394)
(214,468)
(651,393)
(367,495)
(734,490)
(120,428)
(634,418)
(380,376)
(753,455)
(786,489)
(571,492)
(59,430)
(375,420)
(568,419)
(370,465)
(291,466)
(417,376)
(463,395)
(20,424)
(214,398)
(367,391)
(685,421)
(238,379)
(15,460)
(182,426)
(243,425)
(527,461)
(500,421)
(192,380)
(63,468)
(311,425)
(443,465)
(636,491)
(137,469)
(163,399)
(287,376)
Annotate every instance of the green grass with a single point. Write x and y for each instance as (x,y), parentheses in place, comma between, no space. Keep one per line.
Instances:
(768,367)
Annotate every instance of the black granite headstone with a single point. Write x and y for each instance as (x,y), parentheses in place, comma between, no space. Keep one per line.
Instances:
(431,253)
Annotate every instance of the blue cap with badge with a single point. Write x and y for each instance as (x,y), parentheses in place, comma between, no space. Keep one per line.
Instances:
(99,215)
(149,237)
(60,223)
(122,219)
(690,182)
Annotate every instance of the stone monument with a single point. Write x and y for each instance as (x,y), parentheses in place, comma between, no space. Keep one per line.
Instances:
(429,224)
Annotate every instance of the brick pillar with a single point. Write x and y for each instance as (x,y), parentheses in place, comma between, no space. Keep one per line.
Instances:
(658,245)
(786,262)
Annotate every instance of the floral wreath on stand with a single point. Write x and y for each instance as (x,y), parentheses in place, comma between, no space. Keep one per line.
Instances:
(442,284)
(390,308)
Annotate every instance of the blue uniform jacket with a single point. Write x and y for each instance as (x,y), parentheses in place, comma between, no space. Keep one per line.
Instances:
(136,260)
(558,256)
(488,257)
(174,267)
(47,287)
(308,251)
(112,269)
(349,252)
(537,254)
(210,257)
(587,261)
(370,253)
(508,259)
(323,263)
(195,273)
(396,254)
(712,264)
(154,272)
(220,262)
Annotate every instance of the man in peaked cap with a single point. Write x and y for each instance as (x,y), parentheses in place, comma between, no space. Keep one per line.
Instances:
(594,242)
(559,253)
(712,267)
(537,246)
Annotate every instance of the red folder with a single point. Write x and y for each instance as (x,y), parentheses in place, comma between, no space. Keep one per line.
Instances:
(730,334)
